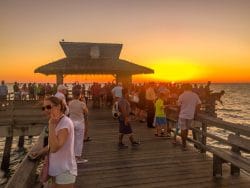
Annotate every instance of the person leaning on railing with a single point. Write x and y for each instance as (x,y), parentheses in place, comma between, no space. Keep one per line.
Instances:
(62,163)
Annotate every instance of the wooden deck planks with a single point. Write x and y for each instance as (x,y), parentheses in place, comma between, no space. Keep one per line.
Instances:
(155,163)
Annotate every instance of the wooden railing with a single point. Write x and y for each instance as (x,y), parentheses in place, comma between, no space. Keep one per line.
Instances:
(203,122)
(22,118)
(25,176)
(205,128)
(19,118)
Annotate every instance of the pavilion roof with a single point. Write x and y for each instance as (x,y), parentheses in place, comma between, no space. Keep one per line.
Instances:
(92,58)
(92,66)
(84,50)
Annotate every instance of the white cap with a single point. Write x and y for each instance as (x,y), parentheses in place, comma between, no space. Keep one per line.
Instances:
(61,87)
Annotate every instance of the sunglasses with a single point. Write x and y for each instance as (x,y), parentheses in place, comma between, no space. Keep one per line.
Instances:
(47,107)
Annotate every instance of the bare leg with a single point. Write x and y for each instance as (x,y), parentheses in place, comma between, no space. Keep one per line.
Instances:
(168,129)
(131,138)
(120,138)
(175,135)
(158,130)
(184,134)
(163,129)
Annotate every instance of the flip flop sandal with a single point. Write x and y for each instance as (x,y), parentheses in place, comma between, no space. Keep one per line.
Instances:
(88,139)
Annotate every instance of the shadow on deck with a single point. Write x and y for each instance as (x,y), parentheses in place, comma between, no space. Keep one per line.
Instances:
(155,163)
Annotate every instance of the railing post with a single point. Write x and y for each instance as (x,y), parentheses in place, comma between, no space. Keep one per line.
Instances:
(196,136)
(203,137)
(6,155)
(234,169)
(21,143)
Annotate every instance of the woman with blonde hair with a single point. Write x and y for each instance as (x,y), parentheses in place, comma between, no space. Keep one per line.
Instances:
(62,163)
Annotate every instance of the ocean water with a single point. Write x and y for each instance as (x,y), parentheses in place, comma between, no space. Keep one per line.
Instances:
(236,102)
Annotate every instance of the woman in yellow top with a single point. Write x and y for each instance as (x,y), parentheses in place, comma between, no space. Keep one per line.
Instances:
(160,116)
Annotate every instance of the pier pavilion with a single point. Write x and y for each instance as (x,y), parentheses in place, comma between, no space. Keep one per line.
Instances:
(92,58)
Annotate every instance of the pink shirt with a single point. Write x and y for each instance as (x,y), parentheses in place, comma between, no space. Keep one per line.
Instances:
(64,159)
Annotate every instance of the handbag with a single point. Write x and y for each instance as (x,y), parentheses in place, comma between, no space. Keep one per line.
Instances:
(44,175)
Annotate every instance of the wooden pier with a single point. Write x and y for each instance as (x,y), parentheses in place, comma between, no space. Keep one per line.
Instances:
(155,163)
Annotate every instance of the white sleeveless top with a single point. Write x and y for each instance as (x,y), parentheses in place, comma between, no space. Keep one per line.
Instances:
(76,108)
(64,159)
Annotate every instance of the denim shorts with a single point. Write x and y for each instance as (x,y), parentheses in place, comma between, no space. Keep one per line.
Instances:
(124,129)
(160,121)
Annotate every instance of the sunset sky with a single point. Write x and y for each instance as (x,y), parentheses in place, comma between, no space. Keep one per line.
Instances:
(182,40)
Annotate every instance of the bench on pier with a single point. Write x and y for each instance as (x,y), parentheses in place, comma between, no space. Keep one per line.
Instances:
(234,157)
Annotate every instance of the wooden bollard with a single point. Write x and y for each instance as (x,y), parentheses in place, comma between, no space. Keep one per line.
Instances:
(21,143)
(6,155)
(204,137)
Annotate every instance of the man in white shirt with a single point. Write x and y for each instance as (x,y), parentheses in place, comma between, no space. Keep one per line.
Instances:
(189,102)
(117,92)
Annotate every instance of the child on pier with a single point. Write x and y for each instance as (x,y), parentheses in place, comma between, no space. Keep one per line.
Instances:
(160,116)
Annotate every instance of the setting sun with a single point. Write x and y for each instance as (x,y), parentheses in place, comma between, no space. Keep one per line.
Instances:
(174,70)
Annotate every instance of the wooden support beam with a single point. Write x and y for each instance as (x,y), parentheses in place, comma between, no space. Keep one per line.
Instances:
(217,166)
(20,143)
(59,78)
(126,79)
(6,155)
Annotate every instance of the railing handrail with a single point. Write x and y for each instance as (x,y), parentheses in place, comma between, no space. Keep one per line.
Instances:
(22,118)
(216,122)
(202,132)
(27,178)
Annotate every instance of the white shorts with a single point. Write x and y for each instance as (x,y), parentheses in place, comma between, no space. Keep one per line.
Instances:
(184,124)
(65,178)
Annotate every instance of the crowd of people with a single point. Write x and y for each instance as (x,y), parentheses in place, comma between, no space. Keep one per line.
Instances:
(103,94)
(68,115)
